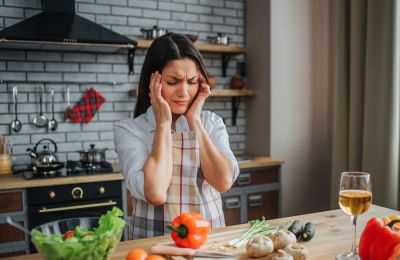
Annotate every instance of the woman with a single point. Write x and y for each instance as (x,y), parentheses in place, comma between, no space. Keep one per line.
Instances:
(175,157)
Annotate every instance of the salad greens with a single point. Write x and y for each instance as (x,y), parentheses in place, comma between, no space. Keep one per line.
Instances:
(83,244)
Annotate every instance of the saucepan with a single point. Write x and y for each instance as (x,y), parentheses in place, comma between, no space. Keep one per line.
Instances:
(221,39)
(153,33)
(92,155)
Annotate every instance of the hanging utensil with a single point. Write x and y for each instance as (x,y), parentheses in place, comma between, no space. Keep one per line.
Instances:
(16,124)
(68,99)
(53,122)
(40,120)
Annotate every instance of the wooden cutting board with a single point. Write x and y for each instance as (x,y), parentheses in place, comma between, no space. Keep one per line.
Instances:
(216,242)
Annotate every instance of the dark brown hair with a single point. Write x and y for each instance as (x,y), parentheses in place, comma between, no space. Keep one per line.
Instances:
(164,49)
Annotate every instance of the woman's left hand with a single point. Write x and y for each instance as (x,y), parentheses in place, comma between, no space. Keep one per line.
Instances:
(202,94)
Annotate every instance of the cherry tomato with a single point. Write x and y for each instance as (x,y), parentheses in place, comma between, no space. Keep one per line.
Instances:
(155,257)
(68,234)
(136,254)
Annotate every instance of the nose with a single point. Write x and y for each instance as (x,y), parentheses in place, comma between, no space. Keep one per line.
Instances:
(183,89)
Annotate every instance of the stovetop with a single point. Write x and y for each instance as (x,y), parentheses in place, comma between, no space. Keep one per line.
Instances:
(72,168)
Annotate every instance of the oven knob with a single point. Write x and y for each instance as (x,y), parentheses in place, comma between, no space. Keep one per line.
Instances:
(102,190)
(77,193)
(52,194)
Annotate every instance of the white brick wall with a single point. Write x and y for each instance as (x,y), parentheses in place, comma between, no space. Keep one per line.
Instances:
(201,17)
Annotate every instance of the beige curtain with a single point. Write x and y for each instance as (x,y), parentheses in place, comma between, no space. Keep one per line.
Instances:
(366,86)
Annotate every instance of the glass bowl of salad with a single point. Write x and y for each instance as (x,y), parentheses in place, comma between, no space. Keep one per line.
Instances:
(80,238)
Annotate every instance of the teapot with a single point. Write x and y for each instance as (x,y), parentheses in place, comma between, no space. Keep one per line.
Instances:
(45,158)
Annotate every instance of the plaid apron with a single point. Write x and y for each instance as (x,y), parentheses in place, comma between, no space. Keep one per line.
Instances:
(188,192)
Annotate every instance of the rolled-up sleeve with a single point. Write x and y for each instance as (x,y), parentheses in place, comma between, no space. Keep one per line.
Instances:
(219,136)
(132,154)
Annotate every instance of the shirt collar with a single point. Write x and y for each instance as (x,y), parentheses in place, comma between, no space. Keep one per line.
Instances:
(181,123)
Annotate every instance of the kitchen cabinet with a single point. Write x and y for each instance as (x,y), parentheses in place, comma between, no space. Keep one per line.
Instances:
(15,191)
(255,193)
(13,241)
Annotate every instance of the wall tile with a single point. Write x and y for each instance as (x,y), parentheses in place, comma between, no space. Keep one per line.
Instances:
(200,17)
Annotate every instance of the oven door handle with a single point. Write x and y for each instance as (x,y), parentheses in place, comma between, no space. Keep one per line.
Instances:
(86,206)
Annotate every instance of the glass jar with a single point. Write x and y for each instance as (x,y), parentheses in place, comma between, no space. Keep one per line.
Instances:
(5,163)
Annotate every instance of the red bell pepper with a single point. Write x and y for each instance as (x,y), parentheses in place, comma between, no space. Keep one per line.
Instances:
(189,230)
(379,241)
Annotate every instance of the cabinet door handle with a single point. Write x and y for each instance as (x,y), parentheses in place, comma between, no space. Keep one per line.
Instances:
(232,203)
(85,206)
(244,179)
(255,200)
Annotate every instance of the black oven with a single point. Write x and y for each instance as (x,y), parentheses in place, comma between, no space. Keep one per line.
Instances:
(51,203)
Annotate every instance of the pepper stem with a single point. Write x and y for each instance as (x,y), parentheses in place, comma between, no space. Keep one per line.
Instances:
(393,222)
(181,230)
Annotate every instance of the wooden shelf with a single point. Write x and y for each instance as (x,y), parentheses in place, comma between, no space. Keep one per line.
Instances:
(226,51)
(204,47)
(232,93)
(235,94)
(220,93)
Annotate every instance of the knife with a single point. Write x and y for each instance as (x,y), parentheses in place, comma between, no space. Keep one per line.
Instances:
(171,250)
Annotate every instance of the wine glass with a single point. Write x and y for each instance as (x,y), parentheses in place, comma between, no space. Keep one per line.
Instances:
(355,197)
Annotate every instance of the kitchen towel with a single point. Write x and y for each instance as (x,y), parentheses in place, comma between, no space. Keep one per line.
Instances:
(87,107)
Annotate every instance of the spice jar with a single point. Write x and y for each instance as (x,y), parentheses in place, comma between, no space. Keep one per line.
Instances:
(5,163)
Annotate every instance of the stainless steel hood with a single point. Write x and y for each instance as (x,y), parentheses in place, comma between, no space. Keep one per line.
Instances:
(59,28)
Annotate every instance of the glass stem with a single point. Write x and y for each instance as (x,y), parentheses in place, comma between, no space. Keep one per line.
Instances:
(354,246)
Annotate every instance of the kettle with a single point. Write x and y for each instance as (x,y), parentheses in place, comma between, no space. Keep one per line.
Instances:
(46,157)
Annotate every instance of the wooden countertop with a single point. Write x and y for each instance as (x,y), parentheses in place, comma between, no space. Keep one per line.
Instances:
(259,162)
(332,236)
(18,182)
(8,182)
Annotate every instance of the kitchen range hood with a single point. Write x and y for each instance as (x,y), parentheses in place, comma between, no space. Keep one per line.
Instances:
(59,28)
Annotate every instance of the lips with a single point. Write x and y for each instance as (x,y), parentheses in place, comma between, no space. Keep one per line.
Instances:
(181,102)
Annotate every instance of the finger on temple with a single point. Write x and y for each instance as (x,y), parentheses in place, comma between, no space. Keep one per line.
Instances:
(152,79)
(159,87)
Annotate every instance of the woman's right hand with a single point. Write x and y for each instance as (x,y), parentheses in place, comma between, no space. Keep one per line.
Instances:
(162,111)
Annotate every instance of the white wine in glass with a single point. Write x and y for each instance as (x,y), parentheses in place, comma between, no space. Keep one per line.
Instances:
(355,198)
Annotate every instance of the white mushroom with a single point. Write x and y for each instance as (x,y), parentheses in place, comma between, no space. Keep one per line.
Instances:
(280,255)
(282,238)
(259,246)
(298,251)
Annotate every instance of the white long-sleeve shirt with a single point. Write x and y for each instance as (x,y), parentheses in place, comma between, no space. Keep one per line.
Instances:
(134,140)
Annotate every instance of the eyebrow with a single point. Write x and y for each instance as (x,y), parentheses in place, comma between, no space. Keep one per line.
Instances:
(180,79)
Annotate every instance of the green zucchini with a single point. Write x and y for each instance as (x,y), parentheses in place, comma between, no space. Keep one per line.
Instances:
(308,231)
(296,228)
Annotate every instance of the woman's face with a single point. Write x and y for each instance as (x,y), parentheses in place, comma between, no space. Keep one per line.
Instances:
(179,80)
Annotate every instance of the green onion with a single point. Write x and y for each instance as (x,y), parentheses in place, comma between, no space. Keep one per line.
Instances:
(257,228)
